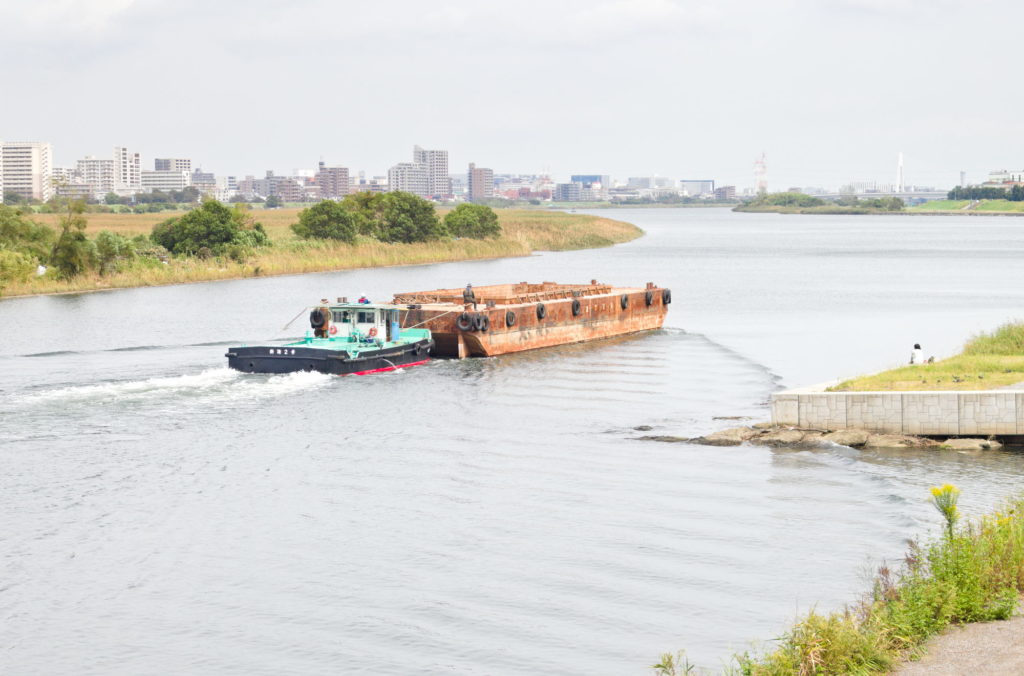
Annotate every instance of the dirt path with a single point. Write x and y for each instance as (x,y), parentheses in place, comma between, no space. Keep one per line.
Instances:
(990,648)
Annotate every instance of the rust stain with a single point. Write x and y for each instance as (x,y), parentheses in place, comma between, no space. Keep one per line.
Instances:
(572,313)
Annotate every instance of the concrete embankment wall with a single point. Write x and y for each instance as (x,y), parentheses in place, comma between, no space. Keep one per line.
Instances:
(917,413)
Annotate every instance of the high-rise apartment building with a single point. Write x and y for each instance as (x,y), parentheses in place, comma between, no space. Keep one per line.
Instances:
(479,183)
(595,186)
(436,162)
(568,192)
(99,175)
(165,181)
(696,188)
(203,181)
(172,164)
(26,169)
(410,177)
(128,171)
(333,182)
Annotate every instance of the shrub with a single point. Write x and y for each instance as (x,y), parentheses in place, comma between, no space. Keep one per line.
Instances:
(788,199)
(326,220)
(21,234)
(213,227)
(408,218)
(367,207)
(475,221)
(111,249)
(1008,339)
(15,267)
(73,253)
(974,573)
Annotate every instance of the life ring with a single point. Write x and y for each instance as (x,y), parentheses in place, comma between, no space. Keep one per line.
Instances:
(666,296)
(649,297)
(624,301)
(510,319)
(576,307)
(371,333)
(542,311)
(334,330)
(464,322)
(317,318)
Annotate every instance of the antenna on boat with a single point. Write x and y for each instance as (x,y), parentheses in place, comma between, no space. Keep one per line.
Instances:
(285,327)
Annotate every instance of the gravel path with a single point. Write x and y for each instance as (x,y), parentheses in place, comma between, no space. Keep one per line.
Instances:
(990,648)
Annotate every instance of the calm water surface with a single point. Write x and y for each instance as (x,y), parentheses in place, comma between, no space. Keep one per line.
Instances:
(162,514)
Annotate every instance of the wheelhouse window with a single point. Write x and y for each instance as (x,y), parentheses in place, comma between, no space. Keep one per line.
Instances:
(366,317)
(340,316)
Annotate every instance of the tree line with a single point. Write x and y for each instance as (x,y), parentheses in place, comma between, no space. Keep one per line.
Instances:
(393,217)
(213,229)
(973,192)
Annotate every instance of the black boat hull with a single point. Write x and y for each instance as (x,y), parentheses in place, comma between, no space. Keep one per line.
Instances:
(294,358)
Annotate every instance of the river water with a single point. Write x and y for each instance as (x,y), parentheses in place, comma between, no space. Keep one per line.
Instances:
(162,514)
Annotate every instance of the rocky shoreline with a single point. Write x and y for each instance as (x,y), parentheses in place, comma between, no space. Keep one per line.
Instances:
(780,436)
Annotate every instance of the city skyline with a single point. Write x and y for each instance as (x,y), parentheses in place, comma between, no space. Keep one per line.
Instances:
(650,87)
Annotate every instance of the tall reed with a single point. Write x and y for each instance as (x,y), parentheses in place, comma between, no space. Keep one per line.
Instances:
(973,573)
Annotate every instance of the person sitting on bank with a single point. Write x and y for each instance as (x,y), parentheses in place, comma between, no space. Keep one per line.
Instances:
(468,296)
(917,356)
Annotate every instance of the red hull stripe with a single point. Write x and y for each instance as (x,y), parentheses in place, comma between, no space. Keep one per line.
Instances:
(387,368)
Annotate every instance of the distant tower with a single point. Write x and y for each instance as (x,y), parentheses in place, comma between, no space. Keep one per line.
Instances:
(899,174)
(761,173)
(963,179)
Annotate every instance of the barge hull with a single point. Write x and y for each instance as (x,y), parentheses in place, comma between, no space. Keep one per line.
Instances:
(512,321)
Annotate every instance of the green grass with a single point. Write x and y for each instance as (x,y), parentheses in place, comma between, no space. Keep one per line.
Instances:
(972,573)
(941,205)
(988,360)
(1000,206)
(986,206)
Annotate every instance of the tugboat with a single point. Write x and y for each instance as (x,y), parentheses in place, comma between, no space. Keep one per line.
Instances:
(345,338)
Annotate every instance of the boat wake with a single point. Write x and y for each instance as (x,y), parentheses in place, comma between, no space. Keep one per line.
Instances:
(218,384)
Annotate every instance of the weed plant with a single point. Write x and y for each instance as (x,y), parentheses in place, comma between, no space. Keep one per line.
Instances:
(988,361)
(972,573)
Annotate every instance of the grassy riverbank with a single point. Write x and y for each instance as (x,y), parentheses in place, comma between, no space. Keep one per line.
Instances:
(522,233)
(973,573)
(987,361)
(990,207)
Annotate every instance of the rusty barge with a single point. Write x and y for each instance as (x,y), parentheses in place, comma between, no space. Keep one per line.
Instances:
(505,318)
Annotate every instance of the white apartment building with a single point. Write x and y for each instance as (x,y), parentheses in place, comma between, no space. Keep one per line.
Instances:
(128,168)
(26,168)
(410,177)
(697,188)
(67,182)
(172,164)
(227,187)
(439,183)
(99,175)
(165,181)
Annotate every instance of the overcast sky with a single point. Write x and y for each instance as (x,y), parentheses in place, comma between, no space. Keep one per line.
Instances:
(831,91)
